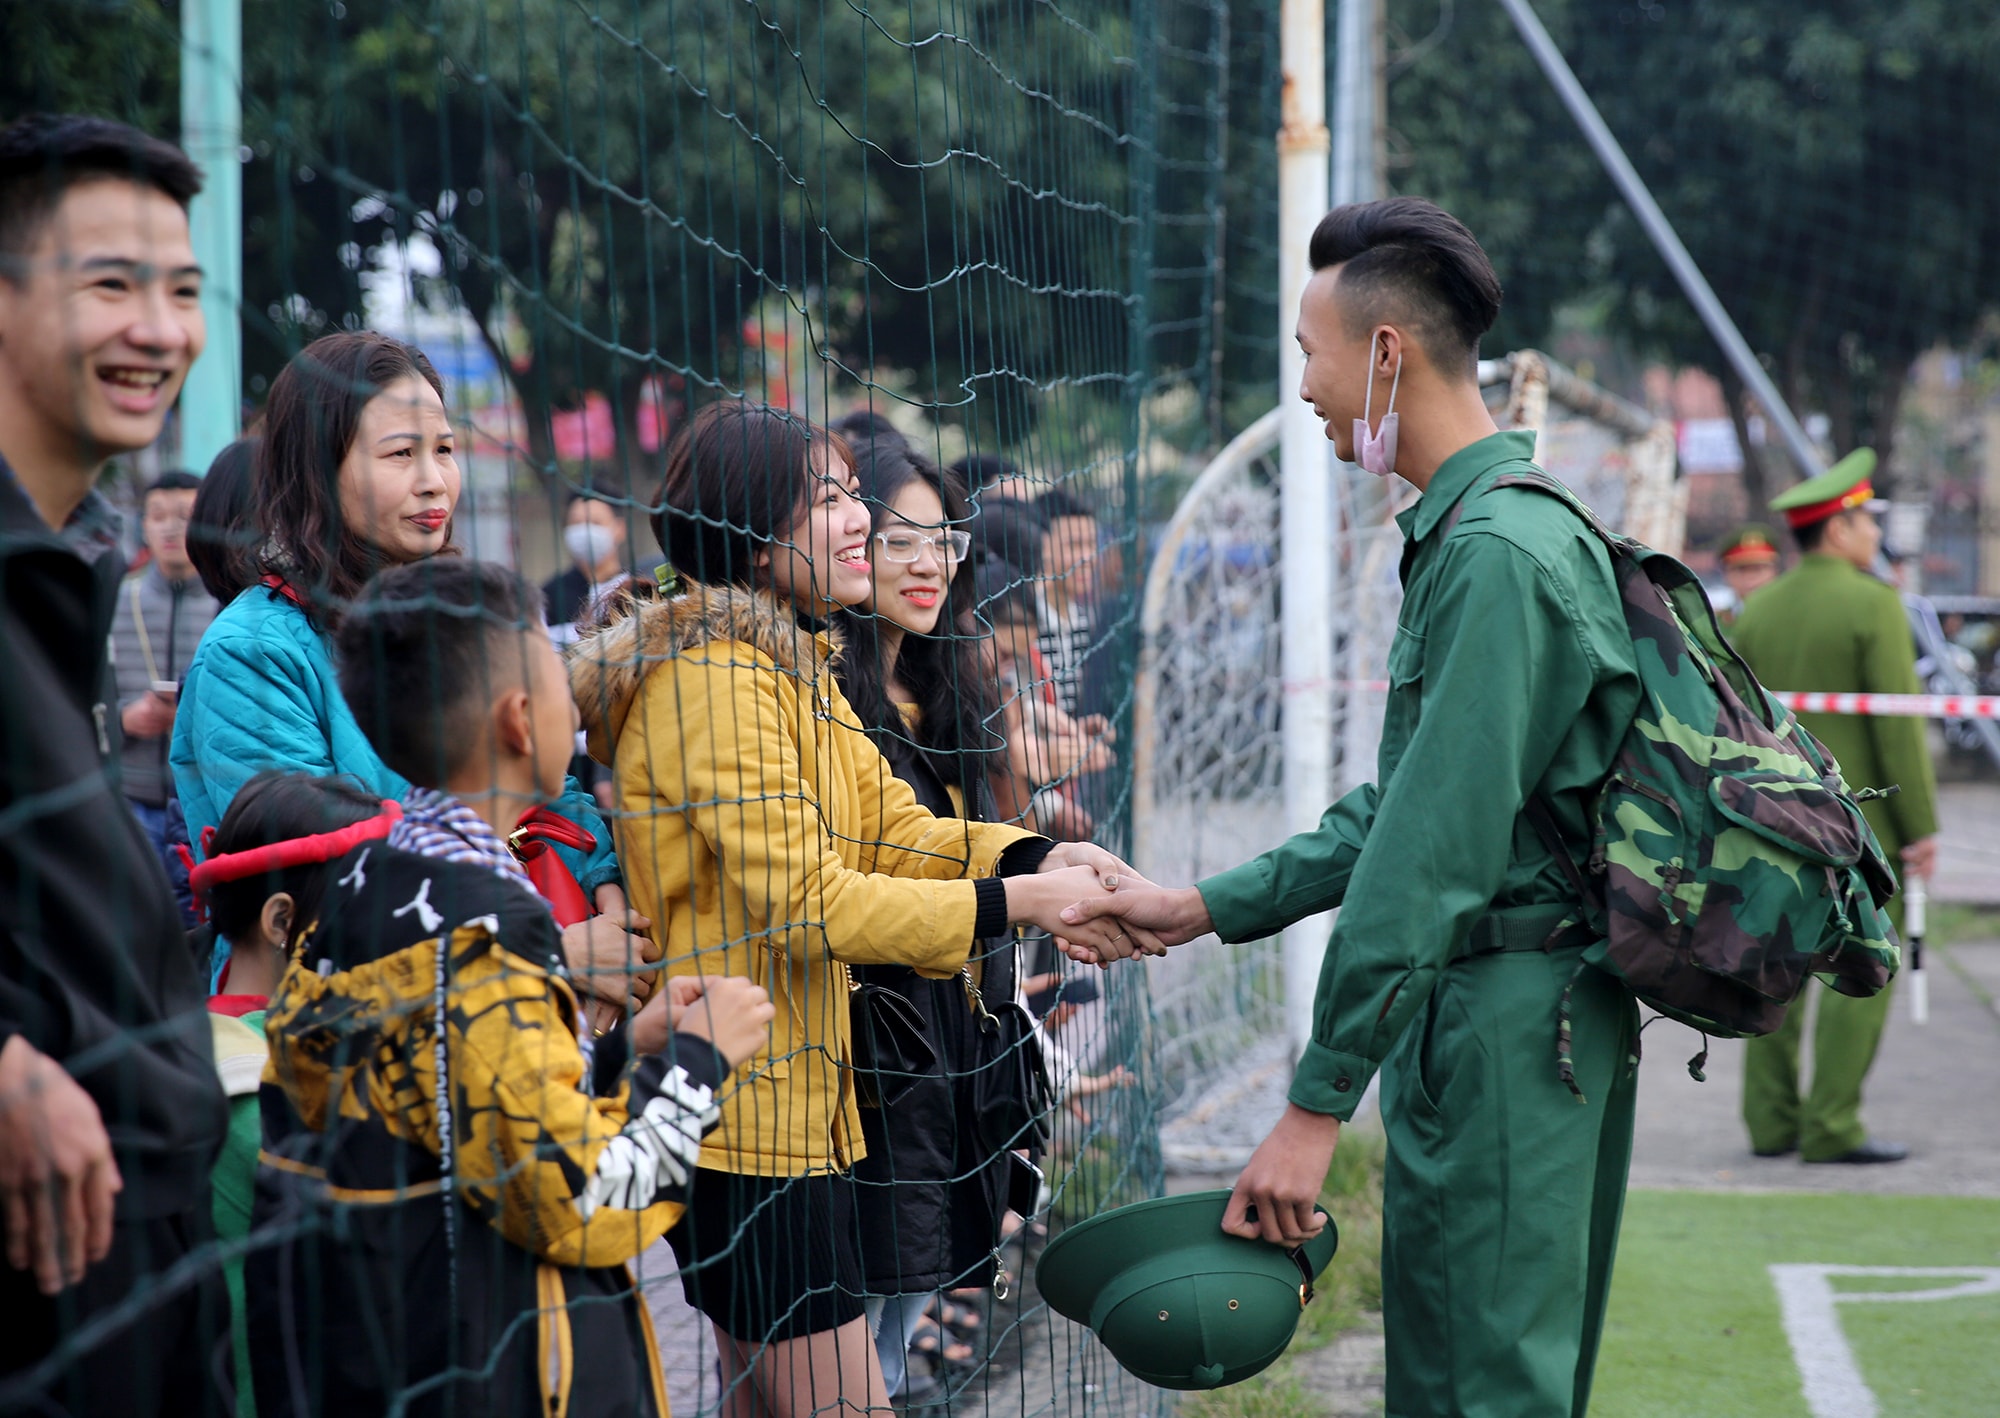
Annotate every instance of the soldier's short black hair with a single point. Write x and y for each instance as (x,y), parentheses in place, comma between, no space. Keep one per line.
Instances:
(1812,534)
(423,650)
(1409,260)
(43,155)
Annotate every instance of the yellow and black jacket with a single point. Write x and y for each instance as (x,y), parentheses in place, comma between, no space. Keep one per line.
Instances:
(763,833)
(478,1267)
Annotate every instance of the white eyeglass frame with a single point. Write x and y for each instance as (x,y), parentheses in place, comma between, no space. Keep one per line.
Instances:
(950,547)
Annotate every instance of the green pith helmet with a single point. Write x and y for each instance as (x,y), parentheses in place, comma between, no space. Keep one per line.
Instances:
(1841,488)
(1177,1302)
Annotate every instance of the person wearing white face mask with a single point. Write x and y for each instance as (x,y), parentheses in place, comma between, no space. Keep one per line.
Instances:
(1456,958)
(599,545)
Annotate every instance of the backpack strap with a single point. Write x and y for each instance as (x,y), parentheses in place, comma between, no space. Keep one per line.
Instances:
(1533,477)
(1544,822)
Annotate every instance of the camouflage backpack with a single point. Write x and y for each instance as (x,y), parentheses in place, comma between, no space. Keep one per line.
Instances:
(1729,859)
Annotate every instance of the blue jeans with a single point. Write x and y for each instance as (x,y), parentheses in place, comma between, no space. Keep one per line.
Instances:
(893,1320)
(154,820)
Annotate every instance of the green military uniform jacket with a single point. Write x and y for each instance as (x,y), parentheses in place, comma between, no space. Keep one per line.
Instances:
(1512,672)
(1827,625)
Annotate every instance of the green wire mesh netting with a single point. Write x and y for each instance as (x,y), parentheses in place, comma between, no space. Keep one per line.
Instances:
(993,230)
(1035,242)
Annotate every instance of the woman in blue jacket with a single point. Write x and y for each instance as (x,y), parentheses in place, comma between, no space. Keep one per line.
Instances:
(355,473)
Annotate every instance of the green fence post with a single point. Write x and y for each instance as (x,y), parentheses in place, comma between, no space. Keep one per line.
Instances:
(212,133)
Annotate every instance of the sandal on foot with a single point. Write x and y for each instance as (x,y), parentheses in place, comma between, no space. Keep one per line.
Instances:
(931,1342)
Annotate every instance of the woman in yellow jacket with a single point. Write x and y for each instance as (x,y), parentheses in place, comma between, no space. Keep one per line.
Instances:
(765,835)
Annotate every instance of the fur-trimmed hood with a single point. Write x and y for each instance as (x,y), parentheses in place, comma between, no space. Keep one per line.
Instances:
(606,668)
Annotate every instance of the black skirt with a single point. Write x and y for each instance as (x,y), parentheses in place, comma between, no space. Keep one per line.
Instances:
(770,1258)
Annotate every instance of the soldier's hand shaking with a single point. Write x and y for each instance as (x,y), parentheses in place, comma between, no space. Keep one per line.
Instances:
(1154,917)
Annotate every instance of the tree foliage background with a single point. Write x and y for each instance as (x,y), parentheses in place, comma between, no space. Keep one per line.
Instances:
(1829,166)
(632,189)
(1018,201)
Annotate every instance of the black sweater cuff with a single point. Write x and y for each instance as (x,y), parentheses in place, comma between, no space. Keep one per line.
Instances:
(695,1057)
(700,1060)
(991,919)
(608,1059)
(1023,858)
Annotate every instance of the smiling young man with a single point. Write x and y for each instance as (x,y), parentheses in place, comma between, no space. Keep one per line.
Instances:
(1512,679)
(110,1113)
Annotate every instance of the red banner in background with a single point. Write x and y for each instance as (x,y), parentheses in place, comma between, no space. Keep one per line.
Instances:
(582,434)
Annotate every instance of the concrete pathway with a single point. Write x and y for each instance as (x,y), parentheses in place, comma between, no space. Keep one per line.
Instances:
(1935,1087)
(1968,844)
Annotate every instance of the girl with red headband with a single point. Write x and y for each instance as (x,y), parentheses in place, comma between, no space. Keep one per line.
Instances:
(260,886)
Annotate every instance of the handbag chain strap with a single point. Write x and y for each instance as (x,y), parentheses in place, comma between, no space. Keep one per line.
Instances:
(973,997)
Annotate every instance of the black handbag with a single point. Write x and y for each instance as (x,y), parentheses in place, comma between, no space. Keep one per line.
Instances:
(892,1051)
(1011,1094)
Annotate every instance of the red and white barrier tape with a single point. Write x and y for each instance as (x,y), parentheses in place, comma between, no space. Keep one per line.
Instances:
(1926,706)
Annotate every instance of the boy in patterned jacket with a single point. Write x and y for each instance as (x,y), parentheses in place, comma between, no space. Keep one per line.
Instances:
(457,1167)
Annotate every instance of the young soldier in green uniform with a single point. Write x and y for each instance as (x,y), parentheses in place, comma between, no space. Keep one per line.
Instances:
(1511,675)
(1829,624)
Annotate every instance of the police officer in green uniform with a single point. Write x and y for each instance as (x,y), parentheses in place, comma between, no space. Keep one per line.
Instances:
(1830,625)
(1512,674)
(1749,564)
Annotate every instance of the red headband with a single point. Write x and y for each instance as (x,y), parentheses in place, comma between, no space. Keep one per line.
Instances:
(294,852)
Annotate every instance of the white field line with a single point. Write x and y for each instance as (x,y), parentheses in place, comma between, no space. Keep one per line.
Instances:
(1807,1300)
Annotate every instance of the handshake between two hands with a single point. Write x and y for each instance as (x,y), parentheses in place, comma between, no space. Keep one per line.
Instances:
(1103,910)
(1095,905)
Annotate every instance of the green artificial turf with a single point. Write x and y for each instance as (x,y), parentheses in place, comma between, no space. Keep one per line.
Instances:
(1694,1325)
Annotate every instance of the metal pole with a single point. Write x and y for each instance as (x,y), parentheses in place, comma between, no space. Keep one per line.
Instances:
(1364,501)
(1693,284)
(212,132)
(1354,102)
(1305,480)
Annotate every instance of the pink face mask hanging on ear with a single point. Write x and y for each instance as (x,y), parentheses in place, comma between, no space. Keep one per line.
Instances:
(1376,453)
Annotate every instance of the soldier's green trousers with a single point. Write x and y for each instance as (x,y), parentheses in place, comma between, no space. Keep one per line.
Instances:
(1503,1192)
(1826,1121)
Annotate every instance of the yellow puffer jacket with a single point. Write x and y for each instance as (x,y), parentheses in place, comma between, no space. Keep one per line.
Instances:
(765,835)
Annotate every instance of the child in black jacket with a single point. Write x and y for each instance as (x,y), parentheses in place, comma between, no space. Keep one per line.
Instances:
(440,1101)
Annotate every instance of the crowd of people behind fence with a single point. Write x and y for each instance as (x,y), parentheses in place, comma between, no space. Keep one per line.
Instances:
(397,950)
(724,899)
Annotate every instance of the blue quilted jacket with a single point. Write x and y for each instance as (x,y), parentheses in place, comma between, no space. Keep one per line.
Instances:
(261,693)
